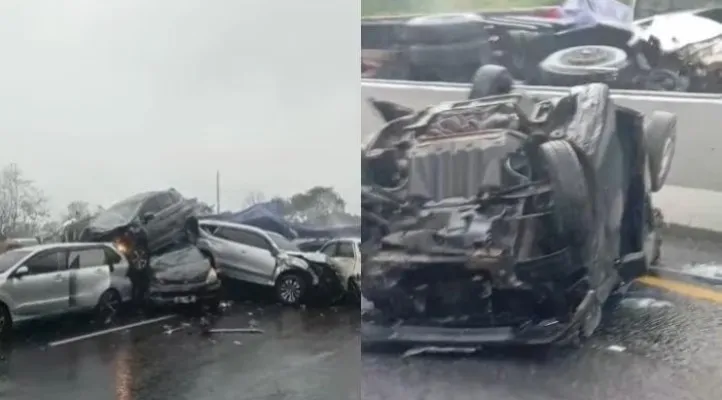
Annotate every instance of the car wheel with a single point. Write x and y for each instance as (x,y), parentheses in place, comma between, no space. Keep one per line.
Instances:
(6,322)
(660,135)
(491,80)
(291,288)
(108,306)
(582,64)
(570,190)
(444,29)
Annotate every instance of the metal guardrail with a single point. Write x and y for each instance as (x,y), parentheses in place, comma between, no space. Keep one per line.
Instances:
(551,90)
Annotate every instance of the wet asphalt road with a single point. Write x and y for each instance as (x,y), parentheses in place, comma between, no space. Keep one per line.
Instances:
(303,354)
(671,349)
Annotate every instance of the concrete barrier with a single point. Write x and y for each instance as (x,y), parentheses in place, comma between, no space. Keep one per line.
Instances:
(691,212)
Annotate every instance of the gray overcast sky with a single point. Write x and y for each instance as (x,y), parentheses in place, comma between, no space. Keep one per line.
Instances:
(102,99)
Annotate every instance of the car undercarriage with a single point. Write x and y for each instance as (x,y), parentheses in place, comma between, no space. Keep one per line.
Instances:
(503,218)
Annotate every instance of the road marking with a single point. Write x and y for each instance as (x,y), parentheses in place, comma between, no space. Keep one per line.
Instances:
(108,331)
(685,289)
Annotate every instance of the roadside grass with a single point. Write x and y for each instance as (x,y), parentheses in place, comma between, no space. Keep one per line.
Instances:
(399,7)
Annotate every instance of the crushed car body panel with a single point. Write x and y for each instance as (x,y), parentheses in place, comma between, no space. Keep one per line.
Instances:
(526,240)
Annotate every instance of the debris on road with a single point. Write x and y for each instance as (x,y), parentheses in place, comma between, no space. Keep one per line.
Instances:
(235,330)
(439,350)
(616,348)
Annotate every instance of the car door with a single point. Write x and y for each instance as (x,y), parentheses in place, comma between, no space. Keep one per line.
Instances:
(45,290)
(251,258)
(89,276)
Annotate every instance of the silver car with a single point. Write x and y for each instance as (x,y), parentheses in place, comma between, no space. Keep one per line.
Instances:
(250,254)
(59,278)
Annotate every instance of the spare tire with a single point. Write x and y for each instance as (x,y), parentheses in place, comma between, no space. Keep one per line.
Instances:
(462,53)
(660,136)
(444,29)
(582,64)
(571,196)
(491,80)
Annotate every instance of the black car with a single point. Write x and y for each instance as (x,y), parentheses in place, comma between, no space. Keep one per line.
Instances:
(506,219)
(183,275)
(144,224)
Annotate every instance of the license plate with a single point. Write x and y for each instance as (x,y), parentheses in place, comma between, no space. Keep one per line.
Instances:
(184,299)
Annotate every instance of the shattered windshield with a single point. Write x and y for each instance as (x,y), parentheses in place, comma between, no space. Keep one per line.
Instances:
(119,213)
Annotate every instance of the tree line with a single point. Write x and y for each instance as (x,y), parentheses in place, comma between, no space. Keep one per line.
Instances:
(24,208)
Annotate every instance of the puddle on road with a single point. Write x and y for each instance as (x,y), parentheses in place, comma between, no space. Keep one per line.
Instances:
(638,303)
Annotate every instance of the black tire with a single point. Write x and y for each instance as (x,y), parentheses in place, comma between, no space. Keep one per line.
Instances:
(108,306)
(291,288)
(491,80)
(660,135)
(6,322)
(565,67)
(571,195)
(444,29)
(462,53)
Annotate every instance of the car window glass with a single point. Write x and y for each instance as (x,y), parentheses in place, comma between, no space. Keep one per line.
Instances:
(345,249)
(112,257)
(53,261)
(150,206)
(86,258)
(243,237)
(330,249)
(164,200)
(209,228)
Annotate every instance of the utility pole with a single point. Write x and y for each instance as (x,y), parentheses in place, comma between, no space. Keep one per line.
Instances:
(218,192)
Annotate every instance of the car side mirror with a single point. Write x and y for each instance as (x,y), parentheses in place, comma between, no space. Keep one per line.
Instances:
(147,217)
(274,251)
(22,271)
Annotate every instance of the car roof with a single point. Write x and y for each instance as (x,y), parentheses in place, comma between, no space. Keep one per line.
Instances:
(65,245)
(353,240)
(229,224)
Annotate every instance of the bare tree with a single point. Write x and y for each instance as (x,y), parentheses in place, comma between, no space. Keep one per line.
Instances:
(254,198)
(22,204)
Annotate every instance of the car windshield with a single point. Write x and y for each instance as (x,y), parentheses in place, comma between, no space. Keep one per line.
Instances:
(282,242)
(10,258)
(120,212)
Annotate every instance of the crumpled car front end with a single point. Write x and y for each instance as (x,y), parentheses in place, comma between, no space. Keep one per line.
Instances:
(471,274)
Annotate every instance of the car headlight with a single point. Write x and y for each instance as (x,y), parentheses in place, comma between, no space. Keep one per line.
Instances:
(121,247)
(212,276)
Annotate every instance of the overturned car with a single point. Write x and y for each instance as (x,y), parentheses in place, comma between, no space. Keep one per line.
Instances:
(505,219)
(678,50)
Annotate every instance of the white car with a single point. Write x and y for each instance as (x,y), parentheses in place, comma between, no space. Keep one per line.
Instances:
(346,252)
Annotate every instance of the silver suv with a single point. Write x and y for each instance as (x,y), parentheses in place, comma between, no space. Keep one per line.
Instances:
(246,253)
(59,278)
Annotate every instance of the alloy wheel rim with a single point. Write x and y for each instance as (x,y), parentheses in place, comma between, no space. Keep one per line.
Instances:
(290,290)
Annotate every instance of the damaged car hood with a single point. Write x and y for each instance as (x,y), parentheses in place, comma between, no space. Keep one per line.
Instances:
(341,270)
(183,265)
(678,30)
